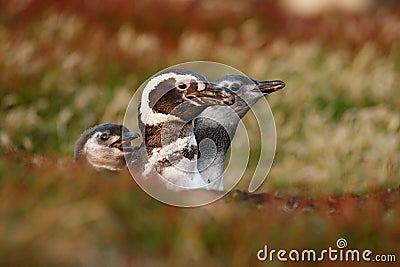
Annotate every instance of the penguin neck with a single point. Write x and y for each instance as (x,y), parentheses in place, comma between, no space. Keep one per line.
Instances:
(219,132)
(166,133)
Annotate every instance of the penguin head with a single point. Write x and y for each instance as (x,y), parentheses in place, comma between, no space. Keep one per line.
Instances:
(247,91)
(105,146)
(180,94)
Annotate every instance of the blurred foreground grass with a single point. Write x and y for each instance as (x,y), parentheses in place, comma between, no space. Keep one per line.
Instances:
(57,214)
(65,66)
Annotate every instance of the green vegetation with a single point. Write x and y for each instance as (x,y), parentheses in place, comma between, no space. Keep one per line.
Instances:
(66,66)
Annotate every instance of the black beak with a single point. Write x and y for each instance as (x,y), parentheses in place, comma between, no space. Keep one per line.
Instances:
(129,136)
(267,87)
(214,93)
(123,143)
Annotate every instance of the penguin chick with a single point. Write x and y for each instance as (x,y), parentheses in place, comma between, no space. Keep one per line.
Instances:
(105,146)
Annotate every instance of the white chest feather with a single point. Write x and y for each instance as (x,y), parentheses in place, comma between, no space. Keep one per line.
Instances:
(182,174)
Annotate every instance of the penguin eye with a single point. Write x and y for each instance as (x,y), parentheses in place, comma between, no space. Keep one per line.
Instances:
(104,136)
(181,86)
(234,87)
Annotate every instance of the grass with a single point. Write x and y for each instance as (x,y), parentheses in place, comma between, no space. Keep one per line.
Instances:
(337,121)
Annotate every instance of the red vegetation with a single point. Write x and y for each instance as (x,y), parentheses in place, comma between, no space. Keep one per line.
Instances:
(168,19)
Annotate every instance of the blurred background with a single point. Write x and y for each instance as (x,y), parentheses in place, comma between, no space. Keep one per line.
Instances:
(68,65)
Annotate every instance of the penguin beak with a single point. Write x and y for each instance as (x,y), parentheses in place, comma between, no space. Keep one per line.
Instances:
(213,94)
(124,142)
(129,136)
(267,87)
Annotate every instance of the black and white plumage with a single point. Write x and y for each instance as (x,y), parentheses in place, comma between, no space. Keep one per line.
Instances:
(105,146)
(216,125)
(169,148)
(170,101)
